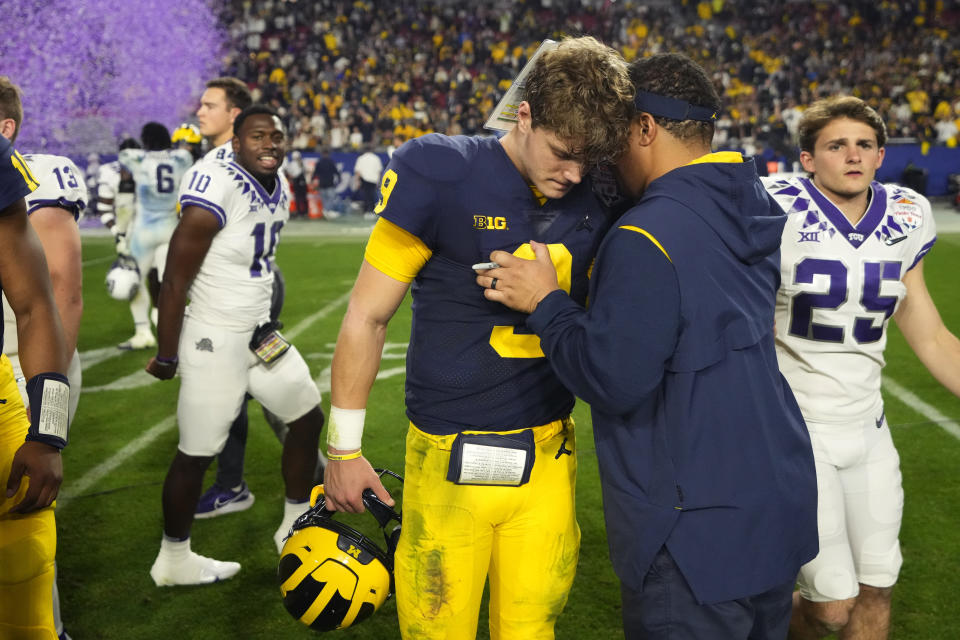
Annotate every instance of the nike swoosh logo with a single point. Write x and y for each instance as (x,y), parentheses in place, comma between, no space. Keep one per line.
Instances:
(879,421)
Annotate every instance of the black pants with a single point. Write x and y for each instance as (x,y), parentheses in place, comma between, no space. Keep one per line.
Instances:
(300,196)
(666,609)
(230,460)
(368,191)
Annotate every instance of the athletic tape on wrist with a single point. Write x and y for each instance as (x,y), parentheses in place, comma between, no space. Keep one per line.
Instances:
(345,428)
(49,396)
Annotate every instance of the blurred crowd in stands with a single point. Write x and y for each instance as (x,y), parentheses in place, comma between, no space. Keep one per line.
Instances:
(350,75)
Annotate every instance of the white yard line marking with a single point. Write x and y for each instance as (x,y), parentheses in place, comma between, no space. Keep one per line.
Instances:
(87,263)
(928,411)
(96,356)
(323,380)
(323,312)
(92,477)
(135,380)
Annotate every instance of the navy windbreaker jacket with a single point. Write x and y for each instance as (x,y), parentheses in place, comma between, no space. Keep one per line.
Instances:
(700,442)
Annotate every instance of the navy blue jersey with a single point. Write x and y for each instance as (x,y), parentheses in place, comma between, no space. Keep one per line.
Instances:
(472,363)
(16,181)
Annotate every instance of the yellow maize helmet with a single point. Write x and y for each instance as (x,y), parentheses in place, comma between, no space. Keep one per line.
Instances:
(188,133)
(331,575)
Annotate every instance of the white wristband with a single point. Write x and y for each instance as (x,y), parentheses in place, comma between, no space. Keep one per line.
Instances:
(345,428)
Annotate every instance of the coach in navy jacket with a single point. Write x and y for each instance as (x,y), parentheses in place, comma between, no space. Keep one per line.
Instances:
(708,476)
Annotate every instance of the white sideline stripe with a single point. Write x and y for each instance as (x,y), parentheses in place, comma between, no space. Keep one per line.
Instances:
(92,477)
(135,380)
(323,312)
(928,411)
(91,261)
(323,380)
(96,356)
(96,474)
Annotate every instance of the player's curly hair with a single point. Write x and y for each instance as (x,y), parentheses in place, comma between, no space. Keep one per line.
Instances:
(822,112)
(675,75)
(581,92)
(10,104)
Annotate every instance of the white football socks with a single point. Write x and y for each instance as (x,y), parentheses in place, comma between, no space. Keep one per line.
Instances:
(291,511)
(176,564)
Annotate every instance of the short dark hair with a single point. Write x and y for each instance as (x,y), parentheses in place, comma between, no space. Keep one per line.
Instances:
(822,112)
(677,76)
(10,104)
(252,110)
(155,137)
(129,143)
(238,95)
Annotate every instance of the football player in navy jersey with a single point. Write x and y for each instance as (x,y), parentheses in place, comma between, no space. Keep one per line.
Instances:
(53,209)
(490,454)
(31,469)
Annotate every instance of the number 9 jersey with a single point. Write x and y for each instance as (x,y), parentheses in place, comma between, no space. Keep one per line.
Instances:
(234,286)
(840,284)
(472,363)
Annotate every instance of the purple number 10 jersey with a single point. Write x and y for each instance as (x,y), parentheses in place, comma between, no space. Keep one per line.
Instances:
(234,286)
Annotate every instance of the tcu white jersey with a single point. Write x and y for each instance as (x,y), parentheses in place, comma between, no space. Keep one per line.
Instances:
(224,153)
(840,284)
(157,175)
(234,286)
(61,186)
(108,180)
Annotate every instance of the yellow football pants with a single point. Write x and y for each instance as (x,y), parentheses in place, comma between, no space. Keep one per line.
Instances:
(525,538)
(28,542)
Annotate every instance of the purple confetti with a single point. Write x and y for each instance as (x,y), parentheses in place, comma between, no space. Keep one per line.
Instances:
(94,71)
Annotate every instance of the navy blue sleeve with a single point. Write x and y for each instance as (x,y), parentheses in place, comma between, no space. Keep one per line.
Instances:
(15,178)
(612,354)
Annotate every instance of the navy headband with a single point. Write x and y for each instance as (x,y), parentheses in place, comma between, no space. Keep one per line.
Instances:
(672,108)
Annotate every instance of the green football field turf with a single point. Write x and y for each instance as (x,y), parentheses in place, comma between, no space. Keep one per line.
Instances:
(124,436)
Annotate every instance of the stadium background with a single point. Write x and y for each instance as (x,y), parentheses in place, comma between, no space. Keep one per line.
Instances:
(349,74)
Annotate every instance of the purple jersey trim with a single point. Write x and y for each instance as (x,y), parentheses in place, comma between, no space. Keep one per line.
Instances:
(217,210)
(73,206)
(924,250)
(868,223)
(267,198)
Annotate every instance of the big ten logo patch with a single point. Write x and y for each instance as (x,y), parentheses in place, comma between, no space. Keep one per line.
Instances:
(489,222)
